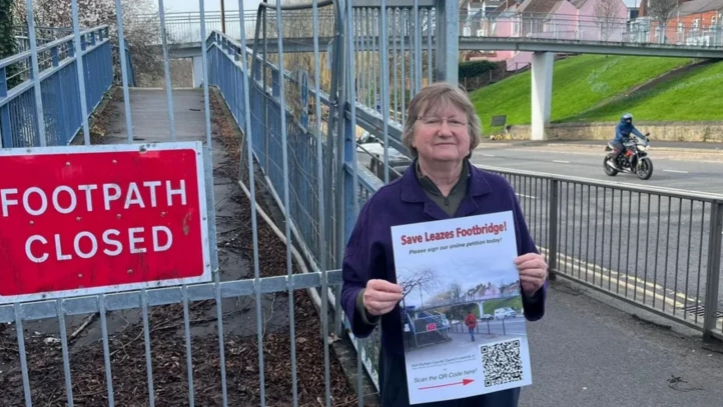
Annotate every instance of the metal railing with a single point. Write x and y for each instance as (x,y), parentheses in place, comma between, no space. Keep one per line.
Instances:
(43,36)
(592,29)
(55,92)
(185,27)
(292,149)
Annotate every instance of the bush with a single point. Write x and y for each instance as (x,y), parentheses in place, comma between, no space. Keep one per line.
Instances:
(472,69)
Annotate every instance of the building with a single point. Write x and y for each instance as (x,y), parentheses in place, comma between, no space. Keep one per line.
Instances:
(556,19)
(633,8)
(692,22)
(645,6)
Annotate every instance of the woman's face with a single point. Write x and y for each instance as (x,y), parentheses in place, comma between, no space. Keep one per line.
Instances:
(442,134)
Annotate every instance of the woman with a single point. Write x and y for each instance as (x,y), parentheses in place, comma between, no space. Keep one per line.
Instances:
(441,131)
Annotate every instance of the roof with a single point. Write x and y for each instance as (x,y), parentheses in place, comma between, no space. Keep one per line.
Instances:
(698,6)
(539,6)
(505,7)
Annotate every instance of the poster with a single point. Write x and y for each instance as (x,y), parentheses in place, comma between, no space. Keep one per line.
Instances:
(463,323)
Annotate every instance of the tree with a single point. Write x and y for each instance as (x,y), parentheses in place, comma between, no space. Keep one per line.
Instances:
(424,280)
(606,15)
(140,26)
(455,292)
(661,10)
(8,46)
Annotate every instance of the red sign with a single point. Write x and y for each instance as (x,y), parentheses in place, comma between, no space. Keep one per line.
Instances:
(86,220)
(431,327)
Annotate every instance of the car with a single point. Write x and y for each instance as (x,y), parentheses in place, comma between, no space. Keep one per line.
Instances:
(504,313)
(486,317)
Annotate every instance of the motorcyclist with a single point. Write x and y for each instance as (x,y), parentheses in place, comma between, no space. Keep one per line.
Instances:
(622,133)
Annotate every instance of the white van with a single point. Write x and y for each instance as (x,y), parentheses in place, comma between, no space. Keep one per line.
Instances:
(506,312)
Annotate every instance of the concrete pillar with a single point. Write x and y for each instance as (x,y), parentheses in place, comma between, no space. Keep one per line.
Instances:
(541,93)
(197,71)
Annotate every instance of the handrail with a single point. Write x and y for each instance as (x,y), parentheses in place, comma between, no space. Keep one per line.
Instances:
(45,47)
(26,85)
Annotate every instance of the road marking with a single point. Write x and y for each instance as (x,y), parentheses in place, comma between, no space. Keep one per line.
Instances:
(622,280)
(527,196)
(561,162)
(599,182)
(488,155)
(676,171)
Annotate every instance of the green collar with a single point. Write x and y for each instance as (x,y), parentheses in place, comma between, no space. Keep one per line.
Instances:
(429,186)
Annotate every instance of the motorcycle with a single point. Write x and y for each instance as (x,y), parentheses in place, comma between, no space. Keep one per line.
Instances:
(634,161)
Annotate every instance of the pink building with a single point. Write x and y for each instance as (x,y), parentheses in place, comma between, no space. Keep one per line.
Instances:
(575,20)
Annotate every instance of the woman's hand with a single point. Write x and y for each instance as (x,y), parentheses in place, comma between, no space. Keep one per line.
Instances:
(381,296)
(533,272)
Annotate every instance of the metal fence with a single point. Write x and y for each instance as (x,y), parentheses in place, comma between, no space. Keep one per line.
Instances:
(654,248)
(45,79)
(185,27)
(594,28)
(306,154)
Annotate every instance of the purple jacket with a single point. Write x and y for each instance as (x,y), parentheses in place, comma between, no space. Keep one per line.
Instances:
(369,255)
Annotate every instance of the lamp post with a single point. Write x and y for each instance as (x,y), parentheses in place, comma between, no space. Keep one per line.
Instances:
(223,18)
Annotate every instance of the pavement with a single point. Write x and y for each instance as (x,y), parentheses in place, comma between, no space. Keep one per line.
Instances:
(592,351)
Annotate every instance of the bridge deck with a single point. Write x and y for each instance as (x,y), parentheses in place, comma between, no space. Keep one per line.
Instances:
(149,114)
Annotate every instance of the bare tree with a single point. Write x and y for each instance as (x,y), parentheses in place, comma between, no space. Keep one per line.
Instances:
(141,29)
(606,16)
(455,291)
(661,10)
(424,279)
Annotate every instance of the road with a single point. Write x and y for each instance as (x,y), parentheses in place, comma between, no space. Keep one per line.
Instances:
(641,245)
(691,171)
(510,326)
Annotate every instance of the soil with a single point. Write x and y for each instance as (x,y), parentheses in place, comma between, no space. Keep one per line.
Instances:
(127,346)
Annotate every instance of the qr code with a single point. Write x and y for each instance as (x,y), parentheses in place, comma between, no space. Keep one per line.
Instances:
(501,362)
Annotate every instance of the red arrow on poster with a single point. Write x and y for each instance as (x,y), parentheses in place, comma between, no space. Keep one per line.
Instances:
(464,382)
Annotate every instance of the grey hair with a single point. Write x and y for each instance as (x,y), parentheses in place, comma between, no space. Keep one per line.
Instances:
(440,94)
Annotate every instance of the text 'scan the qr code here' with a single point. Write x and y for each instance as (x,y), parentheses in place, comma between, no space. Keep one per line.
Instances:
(502,362)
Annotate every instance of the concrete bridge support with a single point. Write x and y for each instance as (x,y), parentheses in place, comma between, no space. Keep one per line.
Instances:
(197,71)
(541,93)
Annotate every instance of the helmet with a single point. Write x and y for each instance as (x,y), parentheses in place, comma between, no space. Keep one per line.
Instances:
(627,117)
